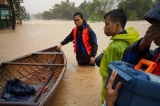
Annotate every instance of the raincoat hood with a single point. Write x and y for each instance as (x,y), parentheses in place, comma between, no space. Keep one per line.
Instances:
(131,36)
(152,14)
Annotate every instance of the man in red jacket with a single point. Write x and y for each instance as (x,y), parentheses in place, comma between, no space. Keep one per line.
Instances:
(85,41)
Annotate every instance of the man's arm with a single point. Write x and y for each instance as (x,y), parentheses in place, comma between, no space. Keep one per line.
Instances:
(66,40)
(141,48)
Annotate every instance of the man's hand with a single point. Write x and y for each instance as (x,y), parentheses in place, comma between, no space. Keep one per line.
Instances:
(152,34)
(112,94)
(59,46)
(92,60)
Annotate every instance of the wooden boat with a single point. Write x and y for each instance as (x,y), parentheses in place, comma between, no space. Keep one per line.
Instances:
(49,64)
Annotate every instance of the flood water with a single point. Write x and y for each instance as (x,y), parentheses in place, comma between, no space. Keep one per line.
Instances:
(81,85)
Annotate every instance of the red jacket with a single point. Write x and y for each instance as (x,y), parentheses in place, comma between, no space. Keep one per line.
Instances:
(85,38)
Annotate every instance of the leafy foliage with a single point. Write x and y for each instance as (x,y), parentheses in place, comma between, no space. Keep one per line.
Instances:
(65,10)
(46,15)
(95,10)
(135,9)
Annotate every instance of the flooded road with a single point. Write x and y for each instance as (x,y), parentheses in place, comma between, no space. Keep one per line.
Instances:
(81,85)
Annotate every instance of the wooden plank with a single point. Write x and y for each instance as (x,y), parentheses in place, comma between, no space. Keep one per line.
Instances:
(32,64)
(48,53)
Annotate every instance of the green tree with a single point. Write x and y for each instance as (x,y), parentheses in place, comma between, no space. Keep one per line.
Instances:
(83,8)
(95,11)
(135,9)
(65,10)
(98,8)
(46,15)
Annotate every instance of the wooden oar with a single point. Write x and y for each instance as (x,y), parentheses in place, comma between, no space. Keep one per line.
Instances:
(40,91)
(43,86)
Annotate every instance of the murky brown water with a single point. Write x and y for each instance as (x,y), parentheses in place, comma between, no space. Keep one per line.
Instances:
(81,86)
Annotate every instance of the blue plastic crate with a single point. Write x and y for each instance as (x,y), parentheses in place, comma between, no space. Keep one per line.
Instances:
(139,88)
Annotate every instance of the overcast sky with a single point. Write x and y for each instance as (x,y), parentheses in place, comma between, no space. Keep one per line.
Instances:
(35,6)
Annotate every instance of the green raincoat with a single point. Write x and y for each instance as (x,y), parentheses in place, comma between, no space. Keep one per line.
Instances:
(114,52)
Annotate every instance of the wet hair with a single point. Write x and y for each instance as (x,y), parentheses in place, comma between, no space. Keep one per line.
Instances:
(117,15)
(78,13)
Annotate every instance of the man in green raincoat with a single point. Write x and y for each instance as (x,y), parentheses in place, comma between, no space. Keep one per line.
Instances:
(115,22)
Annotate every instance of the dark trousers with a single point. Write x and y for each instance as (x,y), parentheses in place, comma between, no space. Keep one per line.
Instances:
(83,58)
